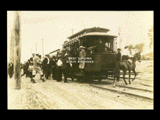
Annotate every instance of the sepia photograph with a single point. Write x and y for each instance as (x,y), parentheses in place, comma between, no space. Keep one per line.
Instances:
(85,60)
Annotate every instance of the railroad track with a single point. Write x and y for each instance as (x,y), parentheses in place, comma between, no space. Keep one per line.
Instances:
(146,85)
(127,90)
(135,88)
(131,91)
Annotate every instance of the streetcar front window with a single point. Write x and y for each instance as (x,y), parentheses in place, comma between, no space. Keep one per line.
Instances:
(98,44)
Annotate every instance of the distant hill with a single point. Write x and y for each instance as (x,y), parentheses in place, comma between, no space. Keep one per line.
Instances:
(149,54)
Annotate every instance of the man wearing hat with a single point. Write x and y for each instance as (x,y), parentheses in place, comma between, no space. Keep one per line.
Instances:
(118,56)
(25,68)
(58,70)
(45,66)
(65,66)
(101,46)
(52,65)
(11,69)
(82,55)
(37,68)
(126,53)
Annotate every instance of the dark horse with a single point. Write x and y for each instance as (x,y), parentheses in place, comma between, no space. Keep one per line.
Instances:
(126,65)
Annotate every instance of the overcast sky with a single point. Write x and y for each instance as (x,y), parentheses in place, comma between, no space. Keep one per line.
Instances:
(55,26)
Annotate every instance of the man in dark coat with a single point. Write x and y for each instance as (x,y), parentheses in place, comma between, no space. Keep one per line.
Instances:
(45,66)
(30,70)
(10,69)
(58,71)
(65,67)
(74,67)
(52,65)
(25,68)
(118,57)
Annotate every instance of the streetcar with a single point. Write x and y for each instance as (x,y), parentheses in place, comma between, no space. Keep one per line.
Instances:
(100,47)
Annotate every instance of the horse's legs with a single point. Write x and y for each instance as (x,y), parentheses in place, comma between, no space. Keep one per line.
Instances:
(124,73)
(116,75)
(114,82)
(129,76)
(135,74)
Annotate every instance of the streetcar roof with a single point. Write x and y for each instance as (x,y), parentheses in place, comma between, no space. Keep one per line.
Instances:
(99,34)
(90,34)
(54,51)
(71,41)
(87,30)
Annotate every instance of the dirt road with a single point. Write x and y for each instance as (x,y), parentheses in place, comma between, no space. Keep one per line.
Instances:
(76,95)
(58,95)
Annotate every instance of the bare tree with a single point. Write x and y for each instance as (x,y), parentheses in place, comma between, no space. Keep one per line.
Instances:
(130,47)
(150,35)
(139,47)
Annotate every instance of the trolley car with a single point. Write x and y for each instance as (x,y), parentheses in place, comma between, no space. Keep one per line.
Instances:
(100,47)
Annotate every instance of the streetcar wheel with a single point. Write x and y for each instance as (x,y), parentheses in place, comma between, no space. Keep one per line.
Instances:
(78,79)
(91,79)
(99,80)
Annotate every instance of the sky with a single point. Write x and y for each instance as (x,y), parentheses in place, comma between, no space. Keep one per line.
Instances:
(55,26)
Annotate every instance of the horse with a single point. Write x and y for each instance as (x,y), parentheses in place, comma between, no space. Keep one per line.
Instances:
(126,65)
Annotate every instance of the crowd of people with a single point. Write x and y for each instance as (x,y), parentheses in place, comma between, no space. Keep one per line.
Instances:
(56,66)
(50,66)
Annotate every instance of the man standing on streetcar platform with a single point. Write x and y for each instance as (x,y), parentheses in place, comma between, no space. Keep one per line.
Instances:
(118,57)
(82,55)
(36,68)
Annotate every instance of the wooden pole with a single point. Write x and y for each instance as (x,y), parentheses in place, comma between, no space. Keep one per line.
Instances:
(12,47)
(120,39)
(72,30)
(17,52)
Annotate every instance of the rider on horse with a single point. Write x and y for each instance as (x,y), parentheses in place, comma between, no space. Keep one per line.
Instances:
(128,63)
(126,55)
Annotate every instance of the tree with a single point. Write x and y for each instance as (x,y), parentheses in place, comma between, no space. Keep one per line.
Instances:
(130,48)
(139,47)
(150,35)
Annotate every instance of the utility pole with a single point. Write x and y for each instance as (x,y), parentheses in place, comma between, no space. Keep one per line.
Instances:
(72,30)
(120,39)
(17,51)
(12,47)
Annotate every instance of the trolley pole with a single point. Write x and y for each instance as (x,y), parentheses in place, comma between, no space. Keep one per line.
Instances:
(83,24)
(17,53)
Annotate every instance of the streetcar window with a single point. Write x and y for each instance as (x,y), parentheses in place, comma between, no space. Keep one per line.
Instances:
(107,44)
